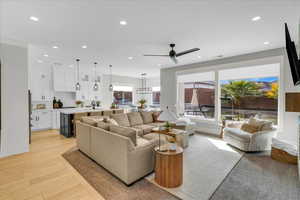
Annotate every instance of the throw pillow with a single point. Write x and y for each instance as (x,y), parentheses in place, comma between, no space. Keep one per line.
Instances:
(155,116)
(262,124)
(91,120)
(103,125)
(135,118)
(249,128)
(147,117)
(121,119)
(124,131)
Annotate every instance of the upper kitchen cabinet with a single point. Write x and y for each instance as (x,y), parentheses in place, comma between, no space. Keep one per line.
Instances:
(41,82)
(64,78)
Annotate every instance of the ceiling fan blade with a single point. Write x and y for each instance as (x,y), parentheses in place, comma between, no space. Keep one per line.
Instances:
(174,59)
(154,55)
(187,51)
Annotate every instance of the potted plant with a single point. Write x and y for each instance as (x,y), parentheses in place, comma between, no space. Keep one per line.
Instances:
(142,102)
(114,105)
(167,126)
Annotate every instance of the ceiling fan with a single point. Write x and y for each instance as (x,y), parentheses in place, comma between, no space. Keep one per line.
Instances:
(173,55)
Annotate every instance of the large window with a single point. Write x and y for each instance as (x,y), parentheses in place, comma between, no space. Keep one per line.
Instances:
(156,96)
(242,93)
(250,91)
(244,98)
(123,95)
(198,94)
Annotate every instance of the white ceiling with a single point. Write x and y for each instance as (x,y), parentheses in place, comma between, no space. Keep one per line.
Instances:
(215,26)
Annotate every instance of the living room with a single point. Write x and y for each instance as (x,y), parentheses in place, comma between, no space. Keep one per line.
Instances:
(149,100)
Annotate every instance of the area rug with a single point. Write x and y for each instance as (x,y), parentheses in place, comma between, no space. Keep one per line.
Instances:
(109,186)
(206,163)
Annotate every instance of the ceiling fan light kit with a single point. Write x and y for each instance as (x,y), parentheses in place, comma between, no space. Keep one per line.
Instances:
(173,55)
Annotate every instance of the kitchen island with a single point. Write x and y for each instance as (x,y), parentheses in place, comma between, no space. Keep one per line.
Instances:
(69,116)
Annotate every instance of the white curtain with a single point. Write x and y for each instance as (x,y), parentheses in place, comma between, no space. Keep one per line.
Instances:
(180,98)
(194,101)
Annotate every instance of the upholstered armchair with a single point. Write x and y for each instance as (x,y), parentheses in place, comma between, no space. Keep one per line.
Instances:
(259,141)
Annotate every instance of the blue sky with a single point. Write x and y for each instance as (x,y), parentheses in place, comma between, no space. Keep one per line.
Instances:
(265,79)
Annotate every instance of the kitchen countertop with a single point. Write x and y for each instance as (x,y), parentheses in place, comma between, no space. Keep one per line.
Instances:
(80,110)
(69,110)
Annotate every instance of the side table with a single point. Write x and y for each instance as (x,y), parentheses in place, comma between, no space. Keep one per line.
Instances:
(168,168)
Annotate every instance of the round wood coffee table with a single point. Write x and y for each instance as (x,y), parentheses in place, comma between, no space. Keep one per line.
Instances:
(168,168)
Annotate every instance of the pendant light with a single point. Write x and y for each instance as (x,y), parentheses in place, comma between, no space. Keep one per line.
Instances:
(77,86)
(111,88)
(144,89)
(96,86)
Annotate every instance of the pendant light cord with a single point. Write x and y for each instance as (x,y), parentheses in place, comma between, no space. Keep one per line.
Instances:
(77,60)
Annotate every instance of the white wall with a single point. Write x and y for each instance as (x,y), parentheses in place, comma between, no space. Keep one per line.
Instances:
(14,94)
(287,121)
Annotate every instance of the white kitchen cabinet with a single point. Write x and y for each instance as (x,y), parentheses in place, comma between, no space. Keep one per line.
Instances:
(41,120)
(41,83)
(55,119)
(64,78)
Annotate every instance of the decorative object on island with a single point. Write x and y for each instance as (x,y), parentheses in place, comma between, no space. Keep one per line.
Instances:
(144,89)
(98,103)
(60,104)
(114,105)
(78,103)
(142,103)
(110,87)
(55,103)
(169,167)
(96,86)
(77,86)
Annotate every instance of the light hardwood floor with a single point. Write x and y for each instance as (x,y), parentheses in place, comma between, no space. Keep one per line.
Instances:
(42,173)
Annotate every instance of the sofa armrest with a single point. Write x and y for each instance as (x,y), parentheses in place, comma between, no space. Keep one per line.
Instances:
(265,133)
(140,161)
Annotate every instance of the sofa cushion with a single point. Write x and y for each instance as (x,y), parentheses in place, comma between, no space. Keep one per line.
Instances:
(135,118)
(157,124)
(145,128)
(238,134)
(142,141)
(103,125)
(139,132)
(121,119)
(91,120)
(147,117)
(124,131)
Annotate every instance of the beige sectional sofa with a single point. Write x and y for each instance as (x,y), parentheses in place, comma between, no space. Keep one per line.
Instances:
(122,144)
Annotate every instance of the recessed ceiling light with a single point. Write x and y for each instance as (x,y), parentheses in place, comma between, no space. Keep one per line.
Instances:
(266,42)
(130,58)
(55,47)
(123,22)
(46,55)
(84,46)
(33,18)
(39,61)
(199,56)
(256,18)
